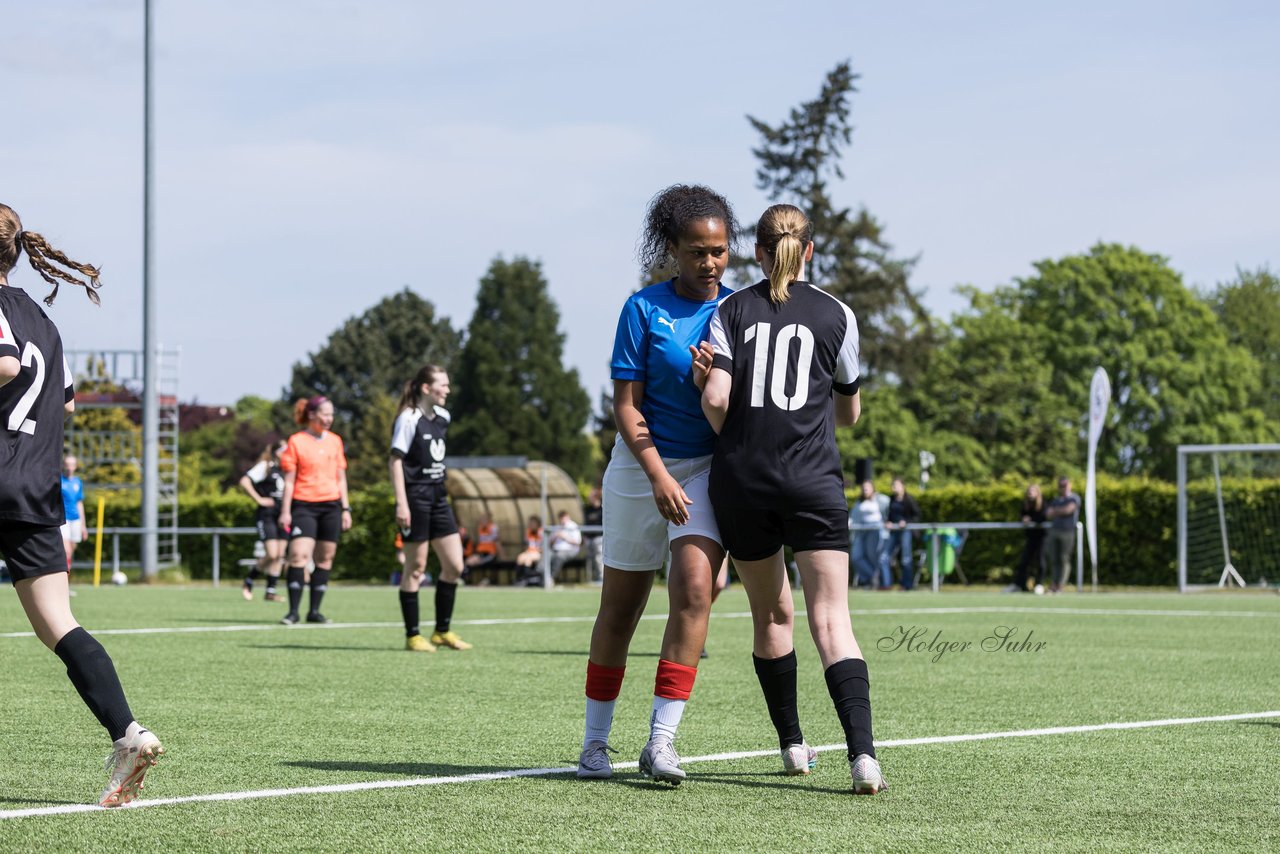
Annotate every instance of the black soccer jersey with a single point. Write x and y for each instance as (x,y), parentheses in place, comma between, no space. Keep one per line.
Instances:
(418,439)
(778,445)
(267,480)
(32,407)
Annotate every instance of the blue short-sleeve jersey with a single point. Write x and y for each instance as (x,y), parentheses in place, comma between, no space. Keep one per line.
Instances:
(72,494)
(655,331)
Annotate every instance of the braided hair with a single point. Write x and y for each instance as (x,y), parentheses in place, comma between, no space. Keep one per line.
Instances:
(668,218)
(42,257)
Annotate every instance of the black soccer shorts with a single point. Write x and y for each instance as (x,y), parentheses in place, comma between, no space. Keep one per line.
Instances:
(430,516)
(755,534)
(320,520)
(32,550)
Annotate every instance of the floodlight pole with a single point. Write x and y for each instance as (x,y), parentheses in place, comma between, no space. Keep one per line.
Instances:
(150,355)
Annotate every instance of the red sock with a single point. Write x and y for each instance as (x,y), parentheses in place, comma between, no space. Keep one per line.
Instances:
(604,683)
(674,681)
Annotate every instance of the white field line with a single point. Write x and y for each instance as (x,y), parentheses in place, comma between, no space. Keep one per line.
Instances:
(514,621)
(70,809)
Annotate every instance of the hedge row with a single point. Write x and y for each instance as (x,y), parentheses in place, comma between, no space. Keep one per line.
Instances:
(367,551)
(1137,528)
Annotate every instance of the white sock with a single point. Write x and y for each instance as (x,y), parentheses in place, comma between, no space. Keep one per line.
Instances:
(599,721)
(666,717)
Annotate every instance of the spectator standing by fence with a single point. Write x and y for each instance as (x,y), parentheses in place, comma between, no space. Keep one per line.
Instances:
(903,511)
(1033,516)
(867,541)
(1063,512)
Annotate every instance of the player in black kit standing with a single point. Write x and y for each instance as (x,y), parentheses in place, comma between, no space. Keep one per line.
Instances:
(422,506)
(780,373)
(35,394)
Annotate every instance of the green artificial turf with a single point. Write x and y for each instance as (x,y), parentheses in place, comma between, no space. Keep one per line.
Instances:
(278,708)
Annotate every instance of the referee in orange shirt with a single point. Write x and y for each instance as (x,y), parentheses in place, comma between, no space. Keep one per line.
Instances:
(315,508)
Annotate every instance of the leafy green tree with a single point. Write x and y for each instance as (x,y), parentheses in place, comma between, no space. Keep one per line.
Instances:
(1175,377)
(368,450)
(799,160)
(1249,308)
(991,381)
(890,433)
(512,393)
(374,353)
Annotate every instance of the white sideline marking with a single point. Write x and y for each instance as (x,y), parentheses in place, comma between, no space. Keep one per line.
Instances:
(69,809)
(514,621)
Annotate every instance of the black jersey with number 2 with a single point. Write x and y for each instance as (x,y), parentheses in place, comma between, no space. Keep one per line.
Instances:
(778,446)
(32,406)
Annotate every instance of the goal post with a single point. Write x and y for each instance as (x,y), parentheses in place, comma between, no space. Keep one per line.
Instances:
(1228,515)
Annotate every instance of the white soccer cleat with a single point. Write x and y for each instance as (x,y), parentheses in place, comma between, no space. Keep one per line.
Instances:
(798,759)
(128,763)
(659,762)
(593,763)
(867,779)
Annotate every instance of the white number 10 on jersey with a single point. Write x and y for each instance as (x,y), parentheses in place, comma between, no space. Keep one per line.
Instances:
(779,349)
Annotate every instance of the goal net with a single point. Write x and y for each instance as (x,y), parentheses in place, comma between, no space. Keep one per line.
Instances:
(1228,516)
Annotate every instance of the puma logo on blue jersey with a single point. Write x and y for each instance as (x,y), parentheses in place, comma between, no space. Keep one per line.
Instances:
(670,323)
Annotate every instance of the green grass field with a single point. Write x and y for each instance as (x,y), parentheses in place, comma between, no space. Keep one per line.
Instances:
(245,706)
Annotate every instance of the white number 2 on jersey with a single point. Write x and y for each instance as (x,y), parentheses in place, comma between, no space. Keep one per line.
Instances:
(18,420)
(779,348)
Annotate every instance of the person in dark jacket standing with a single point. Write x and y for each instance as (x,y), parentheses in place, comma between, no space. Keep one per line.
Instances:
(903,510)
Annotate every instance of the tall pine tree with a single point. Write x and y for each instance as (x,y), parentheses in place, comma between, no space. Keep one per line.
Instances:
(798,160)
(512,393)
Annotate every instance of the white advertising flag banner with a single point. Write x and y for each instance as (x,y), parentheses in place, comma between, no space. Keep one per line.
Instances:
(1099,398)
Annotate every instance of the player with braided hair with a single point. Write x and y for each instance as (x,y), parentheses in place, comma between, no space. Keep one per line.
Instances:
(35,394)
(655,487)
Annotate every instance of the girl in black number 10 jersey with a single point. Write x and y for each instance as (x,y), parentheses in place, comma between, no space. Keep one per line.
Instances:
(780,373)
(35,394)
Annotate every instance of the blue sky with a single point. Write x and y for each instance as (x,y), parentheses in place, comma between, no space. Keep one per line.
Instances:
(313,157)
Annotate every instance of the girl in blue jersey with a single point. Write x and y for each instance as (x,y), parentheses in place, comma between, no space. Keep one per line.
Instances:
(655,488)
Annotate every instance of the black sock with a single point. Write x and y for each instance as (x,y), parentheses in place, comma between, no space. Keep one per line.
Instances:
(319,584)
(446,592)
(271,583)
(297,578)
(778,682)
(95,678)
(851,691)
(253,576)
(409,607)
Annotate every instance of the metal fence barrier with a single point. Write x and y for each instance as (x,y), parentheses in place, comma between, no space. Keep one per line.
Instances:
(216,533)
(592,530)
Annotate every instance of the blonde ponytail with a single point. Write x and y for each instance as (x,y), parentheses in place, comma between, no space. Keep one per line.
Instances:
(784,232)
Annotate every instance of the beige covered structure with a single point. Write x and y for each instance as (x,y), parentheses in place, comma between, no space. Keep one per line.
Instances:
(510,496)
